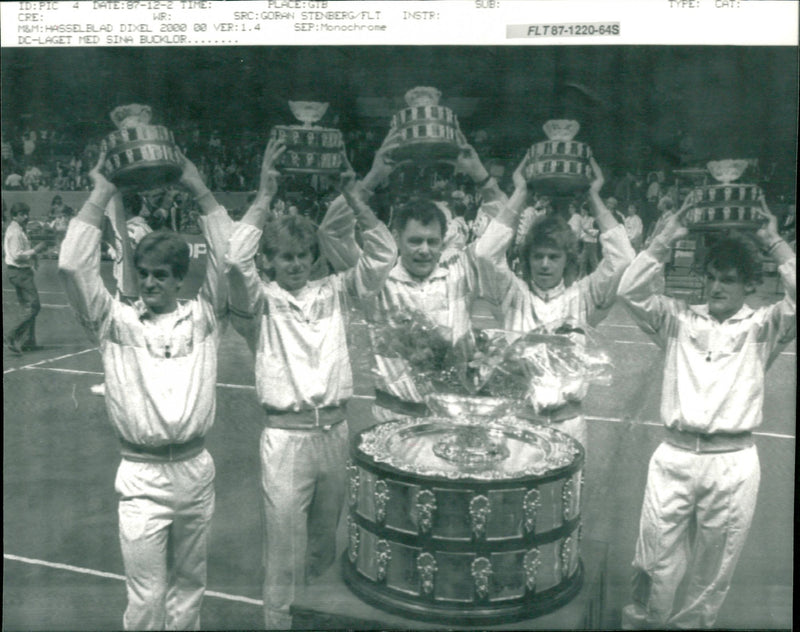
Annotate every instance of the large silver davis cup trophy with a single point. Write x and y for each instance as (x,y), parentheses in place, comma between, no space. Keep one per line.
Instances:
(140,155)
(427,130)
(727,205)
(309,147)
(469,519)
(560,165)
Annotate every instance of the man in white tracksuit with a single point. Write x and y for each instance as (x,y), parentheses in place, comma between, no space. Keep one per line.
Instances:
(297,330)
(426,279)
(706,471)
(548,296)
(160,361)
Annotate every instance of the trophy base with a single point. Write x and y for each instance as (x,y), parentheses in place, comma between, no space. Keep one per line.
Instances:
(560,186)
(146,175)
(420,151)
(724,225)
(460,613)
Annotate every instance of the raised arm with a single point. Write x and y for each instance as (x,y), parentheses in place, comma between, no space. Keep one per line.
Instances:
(603,216)
(494,278)
(380,251)
(469,163)
(618,253)
(652,311)
(782,316)
(79,258)
(217,227)
(243,279)
(337,237)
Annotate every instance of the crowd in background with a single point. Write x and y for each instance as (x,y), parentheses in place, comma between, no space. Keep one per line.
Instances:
(53,158)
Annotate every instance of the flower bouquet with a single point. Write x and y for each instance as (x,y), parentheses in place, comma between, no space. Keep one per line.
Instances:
(493,372)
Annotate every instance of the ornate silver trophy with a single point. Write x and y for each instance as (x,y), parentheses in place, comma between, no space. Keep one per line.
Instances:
(560,165)
(310,148)
(140,155)
(470,519)
(428,131)
(726,205)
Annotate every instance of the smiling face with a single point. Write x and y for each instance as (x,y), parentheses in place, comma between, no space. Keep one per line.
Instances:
(726,292)
(291,265)
(420,247)
(547,266)
(158,286)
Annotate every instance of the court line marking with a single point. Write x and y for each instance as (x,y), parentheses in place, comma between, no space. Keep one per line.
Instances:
(95,573)
(46,360)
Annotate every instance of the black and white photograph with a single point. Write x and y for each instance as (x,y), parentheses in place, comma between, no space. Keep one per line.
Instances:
(395,335)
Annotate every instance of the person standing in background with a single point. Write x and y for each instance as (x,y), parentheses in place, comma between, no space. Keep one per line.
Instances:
(634,227)
(21,263)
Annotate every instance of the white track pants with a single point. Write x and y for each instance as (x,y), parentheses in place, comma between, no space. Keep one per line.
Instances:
(303,478)
(165,511)
(695,518)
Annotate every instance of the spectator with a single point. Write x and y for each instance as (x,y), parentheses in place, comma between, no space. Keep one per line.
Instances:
(665,208)
(14,182)
(20,261)
(634,227)
(58,219)
(29,147)
(32,179)
(61,181)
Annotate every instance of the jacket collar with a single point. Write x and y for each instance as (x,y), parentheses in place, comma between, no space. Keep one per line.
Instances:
(548,295)
(143,313)
(702,310)
(399,273)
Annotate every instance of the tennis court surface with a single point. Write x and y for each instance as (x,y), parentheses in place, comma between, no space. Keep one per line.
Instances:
(62,564)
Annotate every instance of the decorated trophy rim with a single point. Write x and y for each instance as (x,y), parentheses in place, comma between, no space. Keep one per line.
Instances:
(308,112)
(728,170)
(370,451)
(737,213)
(140,155)
(561,129)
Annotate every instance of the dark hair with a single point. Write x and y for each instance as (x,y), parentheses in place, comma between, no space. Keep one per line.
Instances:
(18,208)
(289,228)
(165,246)
(420,209)
(56,198)
(735,252)
(550,231)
